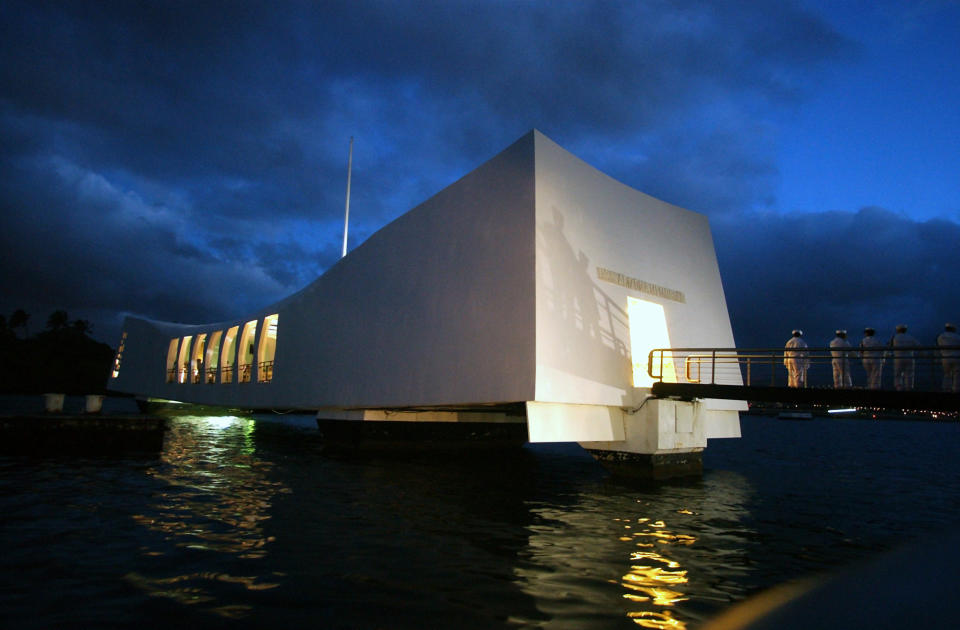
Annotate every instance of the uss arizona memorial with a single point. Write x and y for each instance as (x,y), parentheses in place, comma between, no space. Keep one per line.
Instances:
(523,298)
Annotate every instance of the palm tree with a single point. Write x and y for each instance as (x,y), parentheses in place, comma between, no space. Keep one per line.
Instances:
(19,319)
(82,326)
(57,320)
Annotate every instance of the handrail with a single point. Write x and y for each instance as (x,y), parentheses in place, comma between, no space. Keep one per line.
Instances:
(265,373)
(922,368)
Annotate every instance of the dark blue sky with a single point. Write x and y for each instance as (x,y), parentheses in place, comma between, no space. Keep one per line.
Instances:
(186,161)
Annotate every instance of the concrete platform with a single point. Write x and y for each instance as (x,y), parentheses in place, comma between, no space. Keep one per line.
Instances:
(80,434)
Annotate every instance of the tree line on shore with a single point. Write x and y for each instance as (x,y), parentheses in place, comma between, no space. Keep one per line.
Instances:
(60,358)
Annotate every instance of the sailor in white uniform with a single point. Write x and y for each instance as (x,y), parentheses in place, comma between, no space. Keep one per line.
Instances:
(950,358)
(872,359)
(797,360)
(840,357)
(903,361)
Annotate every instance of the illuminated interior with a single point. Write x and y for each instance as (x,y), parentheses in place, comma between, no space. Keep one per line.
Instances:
(183,364)
(212,362)
(196,361)
(245,359)
(648,330)
(172,360)
(116,361)
(228,356)
(267,348)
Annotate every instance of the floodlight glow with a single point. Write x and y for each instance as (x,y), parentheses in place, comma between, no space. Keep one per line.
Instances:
(221,422)
(648,330)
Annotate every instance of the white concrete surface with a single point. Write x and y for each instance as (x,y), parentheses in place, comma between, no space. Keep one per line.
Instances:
(510,285)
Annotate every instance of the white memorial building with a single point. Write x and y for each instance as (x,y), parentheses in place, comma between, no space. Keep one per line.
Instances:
(523,298)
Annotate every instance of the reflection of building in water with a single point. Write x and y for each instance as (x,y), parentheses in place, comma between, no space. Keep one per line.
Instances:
(655,578)
(215,499)
(670,558)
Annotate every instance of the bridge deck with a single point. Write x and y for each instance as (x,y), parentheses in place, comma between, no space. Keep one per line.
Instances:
(759,375)
(879,399)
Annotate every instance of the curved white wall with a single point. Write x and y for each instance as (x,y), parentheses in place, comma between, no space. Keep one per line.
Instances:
(489,292)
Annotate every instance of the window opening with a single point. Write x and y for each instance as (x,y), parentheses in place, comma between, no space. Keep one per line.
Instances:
(228,357)
(172,360)
(246,351)
(648,330)
(196,363)
(267,349)
(212,361)
(116,361)
(184,362)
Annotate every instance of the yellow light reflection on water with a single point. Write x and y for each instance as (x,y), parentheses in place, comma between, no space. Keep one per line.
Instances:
(648,574)
(650,555)
(668,537)
(658,620)
(654,579)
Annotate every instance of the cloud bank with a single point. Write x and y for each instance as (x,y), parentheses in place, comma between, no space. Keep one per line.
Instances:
(837,270)
(187,161)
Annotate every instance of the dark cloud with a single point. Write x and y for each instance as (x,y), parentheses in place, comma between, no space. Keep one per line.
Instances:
(824,271)
(187,160)
(117,253)
(241,91)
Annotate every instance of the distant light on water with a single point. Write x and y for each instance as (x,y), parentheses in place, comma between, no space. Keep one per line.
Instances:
(847,410)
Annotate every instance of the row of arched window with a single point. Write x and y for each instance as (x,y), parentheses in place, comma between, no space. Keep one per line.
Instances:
(235,355)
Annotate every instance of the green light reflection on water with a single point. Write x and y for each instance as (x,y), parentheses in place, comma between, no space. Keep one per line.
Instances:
(215,498)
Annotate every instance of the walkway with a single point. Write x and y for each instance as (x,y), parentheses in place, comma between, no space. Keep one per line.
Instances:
(759,375)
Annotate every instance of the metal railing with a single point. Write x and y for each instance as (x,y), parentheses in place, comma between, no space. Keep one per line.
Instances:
(265,374)
(925,368)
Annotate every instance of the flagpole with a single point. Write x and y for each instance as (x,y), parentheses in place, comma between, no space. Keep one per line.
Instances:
(346,218)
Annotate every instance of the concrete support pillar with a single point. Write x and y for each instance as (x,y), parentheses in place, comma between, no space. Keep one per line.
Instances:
(662,439)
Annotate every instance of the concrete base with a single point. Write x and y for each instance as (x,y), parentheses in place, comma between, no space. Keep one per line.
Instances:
(93,403)
(662,439)
(657,466)
(53,403)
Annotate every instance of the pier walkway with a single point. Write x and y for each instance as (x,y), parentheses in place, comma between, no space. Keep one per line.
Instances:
(759,375)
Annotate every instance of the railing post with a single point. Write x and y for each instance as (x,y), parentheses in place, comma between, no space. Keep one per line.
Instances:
(933,373)
(773,368)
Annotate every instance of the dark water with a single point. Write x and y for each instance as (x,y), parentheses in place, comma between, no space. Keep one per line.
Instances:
(245,522)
